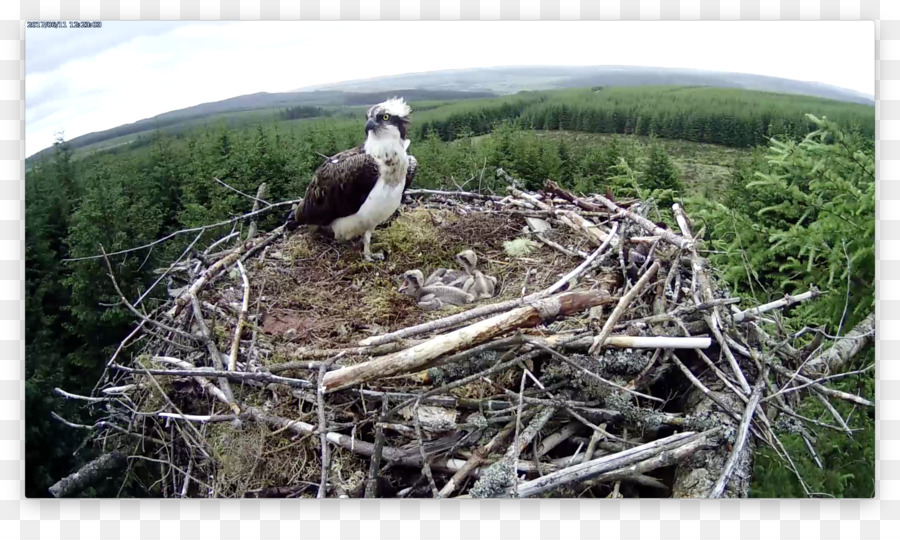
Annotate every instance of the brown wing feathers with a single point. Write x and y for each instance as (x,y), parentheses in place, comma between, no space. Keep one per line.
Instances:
(338,189)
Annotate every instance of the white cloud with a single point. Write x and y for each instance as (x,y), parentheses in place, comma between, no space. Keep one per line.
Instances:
(143,69)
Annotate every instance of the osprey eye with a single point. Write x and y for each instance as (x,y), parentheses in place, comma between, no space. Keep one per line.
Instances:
(386,117)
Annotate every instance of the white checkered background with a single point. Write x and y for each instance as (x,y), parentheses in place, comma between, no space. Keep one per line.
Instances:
(495,519)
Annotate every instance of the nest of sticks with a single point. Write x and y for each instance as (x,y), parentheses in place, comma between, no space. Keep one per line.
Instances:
(609,364)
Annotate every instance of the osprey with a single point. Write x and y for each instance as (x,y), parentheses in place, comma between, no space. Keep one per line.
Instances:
(359,189)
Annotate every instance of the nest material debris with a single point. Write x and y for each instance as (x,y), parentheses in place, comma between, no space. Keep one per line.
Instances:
(610,362)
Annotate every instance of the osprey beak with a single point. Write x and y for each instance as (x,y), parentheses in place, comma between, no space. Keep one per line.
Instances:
(370,125)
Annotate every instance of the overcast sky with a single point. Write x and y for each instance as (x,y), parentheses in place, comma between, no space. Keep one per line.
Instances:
(84,80)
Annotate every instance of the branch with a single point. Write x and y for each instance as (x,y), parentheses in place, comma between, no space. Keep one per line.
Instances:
(623,304)
(185,231)
(591,469)
(88,475)
(415,357)
(844,349)
(743,430)
(239,327)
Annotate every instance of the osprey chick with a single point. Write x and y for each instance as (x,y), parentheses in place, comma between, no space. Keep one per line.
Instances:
(359,189)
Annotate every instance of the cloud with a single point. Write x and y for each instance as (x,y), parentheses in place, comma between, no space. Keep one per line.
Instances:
(81,80)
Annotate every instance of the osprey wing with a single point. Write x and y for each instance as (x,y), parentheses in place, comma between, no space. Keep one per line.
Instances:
(411,171)
(339,187)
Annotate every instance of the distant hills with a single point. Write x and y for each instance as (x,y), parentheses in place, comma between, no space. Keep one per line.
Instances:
(468,84)
(512,79)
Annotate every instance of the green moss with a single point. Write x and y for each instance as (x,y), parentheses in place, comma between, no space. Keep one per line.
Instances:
(520,247)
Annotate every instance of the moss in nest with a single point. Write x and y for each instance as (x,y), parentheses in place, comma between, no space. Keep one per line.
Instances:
(298,248)
(236,451)
(520,247)
(411,233)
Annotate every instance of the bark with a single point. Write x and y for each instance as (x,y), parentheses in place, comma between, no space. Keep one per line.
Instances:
(88,475)
(696,475)
(415,358)
(594,468)
(833,360)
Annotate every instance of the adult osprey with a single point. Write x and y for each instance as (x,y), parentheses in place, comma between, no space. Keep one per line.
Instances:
(358,189)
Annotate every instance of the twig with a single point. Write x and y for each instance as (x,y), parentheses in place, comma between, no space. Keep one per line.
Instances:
(323,434)
(620,308)
(214,355)
(785,302)
(375,463)
(591,469)
(426,468)
(185,231)
(743,430)
(239,327)
(258,199)
(237,376)
(586,371)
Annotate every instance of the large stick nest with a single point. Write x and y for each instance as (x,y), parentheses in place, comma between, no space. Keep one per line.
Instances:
(551,391)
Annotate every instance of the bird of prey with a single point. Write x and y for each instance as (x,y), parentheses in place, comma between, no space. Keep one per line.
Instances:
(358,189)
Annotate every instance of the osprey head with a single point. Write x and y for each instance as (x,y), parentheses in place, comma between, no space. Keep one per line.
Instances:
(467,259)
(388,116)
(412,282)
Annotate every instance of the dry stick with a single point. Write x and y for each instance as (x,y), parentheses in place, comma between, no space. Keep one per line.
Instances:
(834,413)
(743,430)
(185,231)
(845,348)
(620,308)
(323,435)
(201,418)
(218,268)
(789,412)
(205,373)
(426,467)
(635,342)
(511,456)
(667,458)
(488,309)
(169,269)
(415,357)
(647,225)
(213,352)
(67,395)
(820,388)
(98,426)
(785,302)
(476,460)
(375,463)
(304,353)
(500,366)
(718,372)
(590,373)
(821,380)
(451,194)
(189,368)
(700,285)
(260,193)
(680,311)
(87,475)
(558,437)
(587,471)
(706,391)
(134,310)
(239,327)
